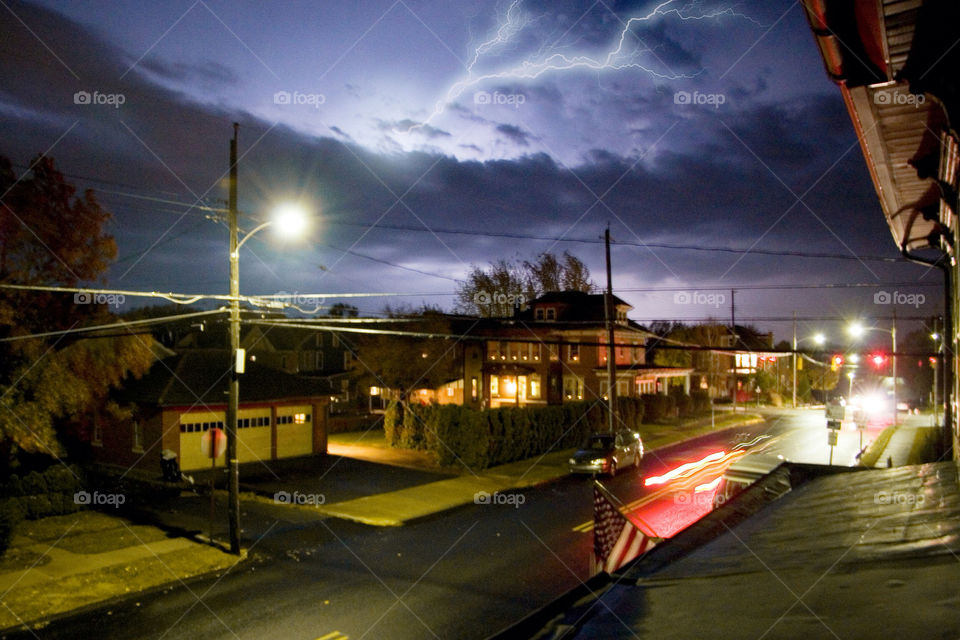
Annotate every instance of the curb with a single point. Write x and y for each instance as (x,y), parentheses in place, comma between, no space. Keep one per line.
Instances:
(29,628)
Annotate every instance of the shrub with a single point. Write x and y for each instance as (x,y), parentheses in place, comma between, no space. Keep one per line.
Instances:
(11,514)
(34,484)
(392,419)
(683,404)
(657,406)
(700,402)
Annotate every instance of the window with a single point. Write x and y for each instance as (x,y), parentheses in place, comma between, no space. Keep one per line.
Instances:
(494,385)
(347,359)
(535,385)
(572,388)
(299,418)
(539,313)
(535,352)
(334,340)
(573,353)
(137,437)
(474,388)
(551,313)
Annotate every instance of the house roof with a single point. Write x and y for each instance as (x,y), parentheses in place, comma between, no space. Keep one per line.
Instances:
(201,376)
(895,63)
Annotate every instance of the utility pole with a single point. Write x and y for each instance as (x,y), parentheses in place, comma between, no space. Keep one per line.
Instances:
(233,471)
(611,354)
(893,335)
(733,331)
(794,359)
(936,365)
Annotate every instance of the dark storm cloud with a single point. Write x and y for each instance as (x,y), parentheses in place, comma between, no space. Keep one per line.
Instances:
(515,134)
(207,72)
(714,177)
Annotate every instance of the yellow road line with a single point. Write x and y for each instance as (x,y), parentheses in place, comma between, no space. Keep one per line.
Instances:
(334,635)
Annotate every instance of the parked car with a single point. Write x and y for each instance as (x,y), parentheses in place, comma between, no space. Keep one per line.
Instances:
(606,452)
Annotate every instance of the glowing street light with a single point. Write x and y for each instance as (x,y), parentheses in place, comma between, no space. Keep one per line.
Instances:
(857,330)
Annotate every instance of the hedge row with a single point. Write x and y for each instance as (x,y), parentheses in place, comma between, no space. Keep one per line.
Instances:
(479,439)
(37,495)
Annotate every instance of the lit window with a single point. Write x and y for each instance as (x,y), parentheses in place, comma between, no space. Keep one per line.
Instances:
(535,385)
(574,353)
(494,385)
(299,418)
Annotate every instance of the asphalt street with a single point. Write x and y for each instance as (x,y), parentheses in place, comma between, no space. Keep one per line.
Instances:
(463,574)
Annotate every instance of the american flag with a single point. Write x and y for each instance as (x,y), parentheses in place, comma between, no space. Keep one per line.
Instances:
(616,540)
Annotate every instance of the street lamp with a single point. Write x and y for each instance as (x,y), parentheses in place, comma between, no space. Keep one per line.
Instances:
(856,330)
(288,219)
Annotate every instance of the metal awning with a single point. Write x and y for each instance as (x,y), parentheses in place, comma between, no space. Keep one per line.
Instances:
(895,62)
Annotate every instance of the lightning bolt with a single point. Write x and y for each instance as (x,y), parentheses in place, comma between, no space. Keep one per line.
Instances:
(545,61)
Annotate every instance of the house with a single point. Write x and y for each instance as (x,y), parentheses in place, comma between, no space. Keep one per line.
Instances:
(738,355)
(552,352)
(185,395)
(317,354)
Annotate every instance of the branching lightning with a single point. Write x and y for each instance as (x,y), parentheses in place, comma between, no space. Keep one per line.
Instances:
(547,60)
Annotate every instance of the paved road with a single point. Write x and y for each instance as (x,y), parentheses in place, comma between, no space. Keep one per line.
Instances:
(464,574)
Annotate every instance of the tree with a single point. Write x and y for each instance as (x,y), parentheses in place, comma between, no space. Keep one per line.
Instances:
(343,310)
(498,290)
(49,236)
(404,363)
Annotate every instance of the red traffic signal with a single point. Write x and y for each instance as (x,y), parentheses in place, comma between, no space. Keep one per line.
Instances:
(878,360)
(836,362)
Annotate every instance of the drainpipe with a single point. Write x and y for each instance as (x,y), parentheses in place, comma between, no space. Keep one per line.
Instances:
(944,265)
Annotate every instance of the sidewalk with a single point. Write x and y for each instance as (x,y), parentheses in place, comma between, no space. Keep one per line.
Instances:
(63,563)
(901,445)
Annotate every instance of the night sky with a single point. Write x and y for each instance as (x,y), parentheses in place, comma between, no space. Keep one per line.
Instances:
(430,136)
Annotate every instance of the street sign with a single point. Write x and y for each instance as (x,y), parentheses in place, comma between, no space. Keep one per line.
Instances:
(213,442)
(835,410)
(833,425)
(832,437)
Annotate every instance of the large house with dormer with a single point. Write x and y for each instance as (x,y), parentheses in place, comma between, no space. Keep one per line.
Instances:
(551,352)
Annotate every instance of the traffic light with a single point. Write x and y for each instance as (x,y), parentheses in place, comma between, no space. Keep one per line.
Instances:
(836,362)
(878,360)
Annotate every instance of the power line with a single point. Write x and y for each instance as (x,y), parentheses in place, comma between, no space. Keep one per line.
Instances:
(651,245)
